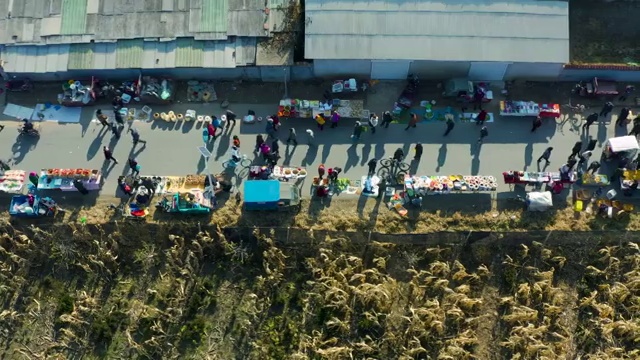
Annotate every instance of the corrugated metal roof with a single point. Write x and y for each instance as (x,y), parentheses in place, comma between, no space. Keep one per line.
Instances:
(526,31)
(274,4)
(104,56)
(36,59)
(214,16)
(189,53)
(129,54)
(80,57)
(245,51)
(247,23)
(74,17)
(219,54)
(159,55)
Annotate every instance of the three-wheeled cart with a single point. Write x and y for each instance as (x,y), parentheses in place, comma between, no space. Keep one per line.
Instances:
(270,195)
(32,206)
(597,87)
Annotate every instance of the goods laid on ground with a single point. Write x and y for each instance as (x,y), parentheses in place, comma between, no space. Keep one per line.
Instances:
(156,91)
(528,108)
(201,91)
(338,187)
(432,185)
(12,181)
(471,117)
(296,108)
(76,93)
(589,179)
(62,179)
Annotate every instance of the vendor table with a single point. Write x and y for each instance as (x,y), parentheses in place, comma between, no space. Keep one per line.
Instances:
(528,108)
(434,185)
(594,180)
(289,173)
(532,178)
(63,179)
(12,181)
(471,117)
(295,108)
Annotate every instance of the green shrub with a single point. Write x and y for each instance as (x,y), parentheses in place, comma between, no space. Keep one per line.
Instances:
(192,331)
(105,326)
(65,304)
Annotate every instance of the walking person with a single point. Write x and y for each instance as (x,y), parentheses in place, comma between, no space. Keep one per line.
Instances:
(584,157)
(413,122)
(545,156)
(259,142)
(450,124)
(115,129)
(211,132)
(622,118)
(576,149)
(481,117)
(118,118)
(484,132)
(590,120)
(418,152)
(628,90)
(310,137)
(320,121)
(275,149)
(386,119)
(335,117)
(372,167)
(537,122)
(108,155)
(321,171)
(357,131)
(606,108)
(593,167)
(292,137)
(635,130)
(592,144)
(102,118)
(217,124)
(373,122)
(478,97)
(231,117)
(135,136)
(135,168)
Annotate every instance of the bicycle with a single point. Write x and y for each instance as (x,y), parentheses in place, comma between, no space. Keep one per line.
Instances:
(393,171)
(244,163)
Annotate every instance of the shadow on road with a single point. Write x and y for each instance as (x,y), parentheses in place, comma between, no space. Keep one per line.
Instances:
(22,146)
(442,156)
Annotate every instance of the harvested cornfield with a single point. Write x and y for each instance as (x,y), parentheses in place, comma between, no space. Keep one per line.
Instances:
(149,291)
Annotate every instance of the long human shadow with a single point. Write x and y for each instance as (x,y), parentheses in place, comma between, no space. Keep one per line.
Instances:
(442,156)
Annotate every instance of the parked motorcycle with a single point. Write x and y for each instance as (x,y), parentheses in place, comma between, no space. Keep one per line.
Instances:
(19,85)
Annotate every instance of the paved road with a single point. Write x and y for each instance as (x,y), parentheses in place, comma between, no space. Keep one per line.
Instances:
(510,145)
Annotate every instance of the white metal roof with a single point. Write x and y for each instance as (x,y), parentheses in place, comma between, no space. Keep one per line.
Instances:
(462,30)
(36,59)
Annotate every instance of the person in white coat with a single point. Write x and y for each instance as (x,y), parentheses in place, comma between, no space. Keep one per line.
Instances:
(373,122)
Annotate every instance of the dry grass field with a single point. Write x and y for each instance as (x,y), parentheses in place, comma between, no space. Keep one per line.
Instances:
(190,290)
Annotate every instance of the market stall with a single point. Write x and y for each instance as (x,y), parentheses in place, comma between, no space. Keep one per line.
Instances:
(62,179)
(629,179)
(76,93)
(471,117)
(620,148)
(156,91)
(32,206)
(12,181)
(295,108)
(528,108)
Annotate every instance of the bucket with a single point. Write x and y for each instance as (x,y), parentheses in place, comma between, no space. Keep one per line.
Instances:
(286,113)
(287,108)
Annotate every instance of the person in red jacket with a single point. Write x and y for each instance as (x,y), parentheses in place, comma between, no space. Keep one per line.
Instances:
(481,117)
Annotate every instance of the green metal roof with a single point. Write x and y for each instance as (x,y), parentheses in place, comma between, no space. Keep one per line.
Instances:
(214,16)
(80,57)
(129,54)
(189,53)
(74,17)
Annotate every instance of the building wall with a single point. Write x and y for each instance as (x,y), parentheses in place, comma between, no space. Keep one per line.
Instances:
(536,71)
(337,68)
(616,75)
(439,70)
